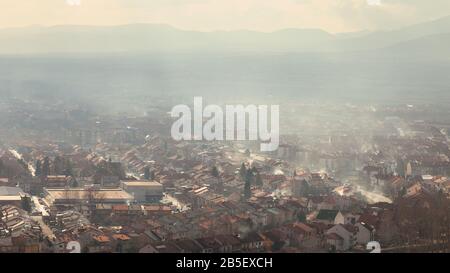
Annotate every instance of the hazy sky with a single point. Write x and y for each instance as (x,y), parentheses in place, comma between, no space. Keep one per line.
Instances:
(262,15)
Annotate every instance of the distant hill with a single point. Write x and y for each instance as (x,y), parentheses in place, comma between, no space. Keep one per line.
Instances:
(152,38)
(409,64)
(163,38)
(433,47)
(382,39)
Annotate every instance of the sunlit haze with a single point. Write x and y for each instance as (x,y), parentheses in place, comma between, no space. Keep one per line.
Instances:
(206,15)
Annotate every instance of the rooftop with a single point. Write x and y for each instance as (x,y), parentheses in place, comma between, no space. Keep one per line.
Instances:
(140,183)
(325,214)
(10,198)
(83,194)
(10,191)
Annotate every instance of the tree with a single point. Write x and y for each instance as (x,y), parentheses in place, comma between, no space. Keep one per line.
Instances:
(68,170)
(94,197)
(249,176)
(38,168)
(401,167)
(26,203)
(215,172)
(243,170)
(247,190)
(301,217)
(46,167)
(2,168)
(301,188)
(58,165)
(248,184)
(258,180)
(152,175)
(278,245)
(75,183)
(402,192)
(147,173)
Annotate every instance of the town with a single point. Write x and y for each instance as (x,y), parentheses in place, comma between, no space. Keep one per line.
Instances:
(115,184)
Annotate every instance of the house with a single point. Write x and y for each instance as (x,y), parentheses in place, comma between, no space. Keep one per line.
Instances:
(350,218)
(167,247)
(275,216)
(335,242)
(314,203)
(209,244)
(11,196)
(156,210)
(144,191)
(346,232)
(328,217)
(123,242)
(101,244)
(110,181)
(19,244)
(366,233)
(148,249)
(58,181)
(253,242)
(6,182)
(275,239)
(229,243)
(188,246)
(302,235)
(82,195)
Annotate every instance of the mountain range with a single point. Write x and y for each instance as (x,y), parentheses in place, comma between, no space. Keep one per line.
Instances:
(429,40)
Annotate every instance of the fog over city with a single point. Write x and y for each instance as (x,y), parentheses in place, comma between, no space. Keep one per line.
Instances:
(87,152)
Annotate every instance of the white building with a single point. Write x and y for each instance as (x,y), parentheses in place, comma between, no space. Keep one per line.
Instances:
(144,191)
(346,233)
(366,233)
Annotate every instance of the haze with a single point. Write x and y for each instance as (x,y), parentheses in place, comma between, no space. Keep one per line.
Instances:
(205,15)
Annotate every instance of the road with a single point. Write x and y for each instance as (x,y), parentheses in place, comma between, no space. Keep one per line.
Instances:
(39,207)
(46,230)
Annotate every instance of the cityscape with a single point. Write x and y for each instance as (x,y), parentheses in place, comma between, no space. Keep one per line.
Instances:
(89,162)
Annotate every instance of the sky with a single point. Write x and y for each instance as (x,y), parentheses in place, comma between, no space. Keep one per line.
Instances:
(208,15)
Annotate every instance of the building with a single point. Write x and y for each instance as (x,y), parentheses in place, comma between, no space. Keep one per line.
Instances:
(345,239)
(77,196)
(4,181)
(300,187)
(366,233)
(58,181)
(11,196)
(144,191)
(18,232)
(329,217)
(111,181)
